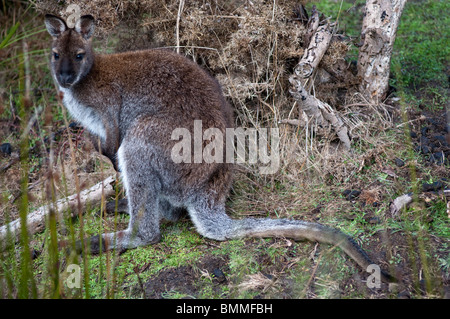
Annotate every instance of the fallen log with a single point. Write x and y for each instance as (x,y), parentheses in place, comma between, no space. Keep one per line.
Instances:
(37,220)
(319,112)
(312,56)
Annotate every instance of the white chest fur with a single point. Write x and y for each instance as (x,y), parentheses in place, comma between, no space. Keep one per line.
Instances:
(87,116)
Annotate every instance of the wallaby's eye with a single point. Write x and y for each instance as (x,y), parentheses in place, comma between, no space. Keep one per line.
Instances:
(55,56)
(79,56)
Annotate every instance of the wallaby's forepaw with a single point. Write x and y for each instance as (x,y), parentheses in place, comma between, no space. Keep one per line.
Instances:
(92,245)
(121,207)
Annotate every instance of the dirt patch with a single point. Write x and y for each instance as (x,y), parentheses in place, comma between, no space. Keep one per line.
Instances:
(184,280)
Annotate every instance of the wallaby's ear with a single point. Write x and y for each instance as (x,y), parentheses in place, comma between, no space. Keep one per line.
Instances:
(55,25)
(85,26)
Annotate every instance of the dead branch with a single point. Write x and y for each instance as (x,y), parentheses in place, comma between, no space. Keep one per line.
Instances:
(307,103)
(37,219)
(312,25)
(312,56)
(14,159)
(316,111)
(292,122)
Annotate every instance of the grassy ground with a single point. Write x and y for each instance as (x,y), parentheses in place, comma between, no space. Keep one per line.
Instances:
(414,246)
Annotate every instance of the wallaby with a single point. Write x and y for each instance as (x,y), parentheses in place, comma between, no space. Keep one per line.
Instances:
(132,102)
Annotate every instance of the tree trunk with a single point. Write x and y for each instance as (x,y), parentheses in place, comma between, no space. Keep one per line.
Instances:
(381,19)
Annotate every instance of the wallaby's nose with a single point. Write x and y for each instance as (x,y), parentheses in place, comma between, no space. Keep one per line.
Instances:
(65,78)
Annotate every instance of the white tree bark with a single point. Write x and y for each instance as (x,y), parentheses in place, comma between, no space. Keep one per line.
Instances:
(381,19)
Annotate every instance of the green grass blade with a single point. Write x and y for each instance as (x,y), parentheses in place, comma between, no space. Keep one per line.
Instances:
(8,37)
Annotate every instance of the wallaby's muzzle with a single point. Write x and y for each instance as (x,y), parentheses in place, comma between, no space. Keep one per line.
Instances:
(66,77)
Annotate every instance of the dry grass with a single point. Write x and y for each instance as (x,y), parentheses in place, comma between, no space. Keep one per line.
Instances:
(257,282)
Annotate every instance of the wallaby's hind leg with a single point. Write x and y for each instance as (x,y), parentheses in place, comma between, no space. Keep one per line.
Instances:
(211,221)
(120,239)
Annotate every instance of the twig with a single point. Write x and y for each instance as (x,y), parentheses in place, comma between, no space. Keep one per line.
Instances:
(292,122)
(420,118)
(313,272)
(180,10)
(14,159)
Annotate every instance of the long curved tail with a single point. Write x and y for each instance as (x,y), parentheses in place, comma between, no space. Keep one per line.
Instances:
(220,226)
